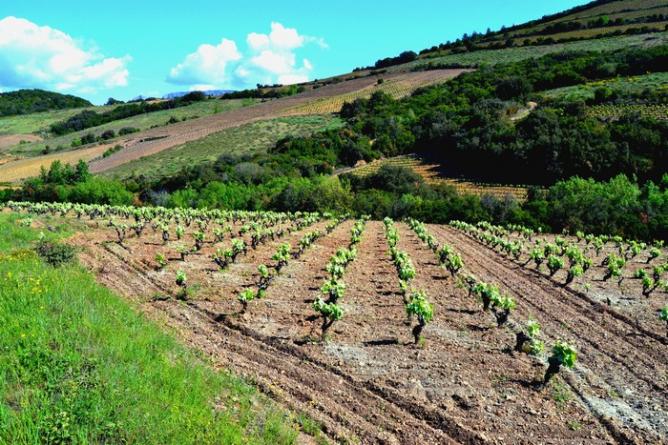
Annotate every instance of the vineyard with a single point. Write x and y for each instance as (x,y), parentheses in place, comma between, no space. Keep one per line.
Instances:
(612,112)
(432,175)
(507,55)
(625,85)
(396,87)
(401,332)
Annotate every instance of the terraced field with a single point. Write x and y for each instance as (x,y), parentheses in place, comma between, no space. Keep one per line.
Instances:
(248,290)
(432,174)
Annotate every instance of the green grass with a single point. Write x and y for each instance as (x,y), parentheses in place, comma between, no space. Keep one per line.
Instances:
(142,122)
(247,139)
(522,53)
(36,122)
(635,84)
(78,365)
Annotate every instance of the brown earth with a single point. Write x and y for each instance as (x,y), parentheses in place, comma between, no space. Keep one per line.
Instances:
(9,140)
(368,383)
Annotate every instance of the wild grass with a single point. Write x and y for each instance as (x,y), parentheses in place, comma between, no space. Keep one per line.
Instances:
(78,365)
(35,122)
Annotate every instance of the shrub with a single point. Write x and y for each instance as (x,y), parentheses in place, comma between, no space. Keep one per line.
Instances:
(108,134)
(127,130)
(55,254)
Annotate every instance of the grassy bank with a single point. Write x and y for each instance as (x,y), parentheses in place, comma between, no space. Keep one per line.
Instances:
(78,365)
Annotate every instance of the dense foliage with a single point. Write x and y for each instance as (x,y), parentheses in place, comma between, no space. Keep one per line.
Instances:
(470,118)
(64,183)
(33,101)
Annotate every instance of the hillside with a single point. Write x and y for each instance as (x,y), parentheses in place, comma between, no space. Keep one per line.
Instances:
(34,101)
(600,18)
(197,121)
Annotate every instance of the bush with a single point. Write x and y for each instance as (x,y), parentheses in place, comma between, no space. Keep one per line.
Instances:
(108,134)
(54,253)
(95,191)
(127,130)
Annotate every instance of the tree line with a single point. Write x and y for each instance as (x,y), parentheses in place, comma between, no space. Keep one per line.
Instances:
(34,101)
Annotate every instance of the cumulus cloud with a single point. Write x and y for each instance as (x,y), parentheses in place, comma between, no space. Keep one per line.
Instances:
(33,56)
(271,58)
(207,65)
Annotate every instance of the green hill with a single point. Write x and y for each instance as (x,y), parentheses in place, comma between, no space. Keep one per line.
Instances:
(34,101)
(598,19)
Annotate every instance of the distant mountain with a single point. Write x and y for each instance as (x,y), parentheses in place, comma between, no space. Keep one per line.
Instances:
(33,101)
(208,93)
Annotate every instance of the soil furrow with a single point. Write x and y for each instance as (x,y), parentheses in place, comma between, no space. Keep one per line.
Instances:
(632,377)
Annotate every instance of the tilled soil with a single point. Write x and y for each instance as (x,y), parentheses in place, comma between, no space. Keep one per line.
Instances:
(368,383)
(621,374)
(623,297)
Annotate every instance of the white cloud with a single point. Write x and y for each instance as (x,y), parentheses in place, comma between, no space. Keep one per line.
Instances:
(280,37)
(272,58)
(207,65)
(33,56)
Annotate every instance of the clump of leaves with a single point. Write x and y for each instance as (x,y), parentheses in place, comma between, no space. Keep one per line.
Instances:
(615,265)
(527,340)
(563,354)
(648,285)
(182,281)
(663,315)
(330,312)
(420,307)
(281,256)
(537,255)
(487,293)
(265,276)
(555,264)
(503,305)
(183,251)
(654,253)
(199,240)
(160,260)
(334,289)
(574,272)
(245,297)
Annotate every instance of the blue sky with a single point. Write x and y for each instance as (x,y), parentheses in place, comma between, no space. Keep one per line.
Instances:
(124,48)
